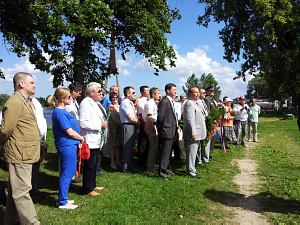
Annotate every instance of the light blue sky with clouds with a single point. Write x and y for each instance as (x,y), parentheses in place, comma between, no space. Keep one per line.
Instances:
(198,49)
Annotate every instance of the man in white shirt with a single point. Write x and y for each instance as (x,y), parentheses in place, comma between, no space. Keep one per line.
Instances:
(92,121)
(75,92)
(42,126)
(241,111)
(150,118)
(142,136)
(129,120)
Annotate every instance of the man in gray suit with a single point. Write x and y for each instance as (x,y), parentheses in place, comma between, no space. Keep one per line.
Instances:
(194,129)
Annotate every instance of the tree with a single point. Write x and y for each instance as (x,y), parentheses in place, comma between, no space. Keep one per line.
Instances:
(204,82)
(43,102)
(266,34)
(3,99)
(71,39)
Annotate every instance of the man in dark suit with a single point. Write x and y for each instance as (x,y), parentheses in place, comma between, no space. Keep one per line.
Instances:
(167,126)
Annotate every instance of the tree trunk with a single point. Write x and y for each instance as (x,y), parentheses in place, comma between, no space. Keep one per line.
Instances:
(82,46)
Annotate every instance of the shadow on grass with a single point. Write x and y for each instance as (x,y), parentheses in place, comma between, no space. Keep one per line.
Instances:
(267,201)
(52,162)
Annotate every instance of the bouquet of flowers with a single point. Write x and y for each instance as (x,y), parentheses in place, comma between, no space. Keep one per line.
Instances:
(110,109)
(213,120)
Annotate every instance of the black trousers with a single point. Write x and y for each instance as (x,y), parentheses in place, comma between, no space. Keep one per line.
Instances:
(165,154)
(35,177)
(90,171)
(142,145)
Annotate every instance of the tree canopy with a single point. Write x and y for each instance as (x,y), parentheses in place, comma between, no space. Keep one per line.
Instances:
(71,39)
(204,81)
(3,99)
(265,34)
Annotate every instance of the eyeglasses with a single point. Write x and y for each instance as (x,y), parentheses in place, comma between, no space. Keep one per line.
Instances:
(68,97)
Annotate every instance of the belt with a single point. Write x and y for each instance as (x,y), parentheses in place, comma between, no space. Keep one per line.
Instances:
(128,124)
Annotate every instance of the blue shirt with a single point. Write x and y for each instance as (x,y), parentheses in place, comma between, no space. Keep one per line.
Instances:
(255,111)
(126,108)
(106,102)
(62,120)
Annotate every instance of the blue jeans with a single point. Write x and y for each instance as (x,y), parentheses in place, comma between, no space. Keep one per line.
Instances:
(68,160)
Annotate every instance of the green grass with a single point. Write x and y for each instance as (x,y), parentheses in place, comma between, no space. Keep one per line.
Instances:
(140,198)
(278,156)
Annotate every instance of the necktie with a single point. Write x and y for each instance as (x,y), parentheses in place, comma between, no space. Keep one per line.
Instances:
(102,110)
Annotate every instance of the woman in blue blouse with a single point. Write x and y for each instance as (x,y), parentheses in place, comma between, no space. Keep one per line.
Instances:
(66,136)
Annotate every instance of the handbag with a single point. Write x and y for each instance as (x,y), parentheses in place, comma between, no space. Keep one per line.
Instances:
(83,153)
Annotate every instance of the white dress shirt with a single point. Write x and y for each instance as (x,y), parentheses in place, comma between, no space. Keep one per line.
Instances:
(141,105)
(126,108)
(40,119)
(73,108)
(150,108)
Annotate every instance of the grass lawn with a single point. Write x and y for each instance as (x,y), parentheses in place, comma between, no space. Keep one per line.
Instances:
(139,198)
(278,156)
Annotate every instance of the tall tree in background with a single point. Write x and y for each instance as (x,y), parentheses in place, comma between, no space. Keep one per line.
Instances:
(266,34)
(204,81)
(71,38)
(3,99)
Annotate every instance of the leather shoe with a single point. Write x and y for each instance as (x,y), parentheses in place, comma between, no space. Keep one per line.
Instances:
(170,172)
(194,176)
(163,175)
(98,188)
(93,193)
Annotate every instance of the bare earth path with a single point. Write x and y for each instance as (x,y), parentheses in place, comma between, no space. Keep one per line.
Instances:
(246,207)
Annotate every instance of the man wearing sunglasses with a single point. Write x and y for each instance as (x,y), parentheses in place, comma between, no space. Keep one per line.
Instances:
(75,91)
(129,120)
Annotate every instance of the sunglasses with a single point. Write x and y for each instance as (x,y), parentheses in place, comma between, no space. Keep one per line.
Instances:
(133,93)
(100,92)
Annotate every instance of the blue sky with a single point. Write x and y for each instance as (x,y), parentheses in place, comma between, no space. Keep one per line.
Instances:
(199,50)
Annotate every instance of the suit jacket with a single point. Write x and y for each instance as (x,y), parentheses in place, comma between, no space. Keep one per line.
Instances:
(210,103)
(194,121)
(166,120)
(19,132)
(90,120)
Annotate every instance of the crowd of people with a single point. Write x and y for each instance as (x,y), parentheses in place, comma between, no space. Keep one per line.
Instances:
(152,126)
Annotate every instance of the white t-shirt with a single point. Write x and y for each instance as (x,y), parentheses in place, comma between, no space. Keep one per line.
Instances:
(150,108)
(141,105)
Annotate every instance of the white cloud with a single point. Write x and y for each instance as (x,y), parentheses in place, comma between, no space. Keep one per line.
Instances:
(198,62)
(123,65)
(24,66)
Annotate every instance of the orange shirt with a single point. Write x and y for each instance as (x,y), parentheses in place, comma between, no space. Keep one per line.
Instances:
(228,122)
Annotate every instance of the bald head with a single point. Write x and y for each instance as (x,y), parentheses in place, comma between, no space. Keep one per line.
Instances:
(24,83)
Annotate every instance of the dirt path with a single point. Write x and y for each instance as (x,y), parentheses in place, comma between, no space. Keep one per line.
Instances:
(245,206)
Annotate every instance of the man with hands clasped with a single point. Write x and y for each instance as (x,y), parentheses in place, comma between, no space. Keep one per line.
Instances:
(194,129)
(241,111)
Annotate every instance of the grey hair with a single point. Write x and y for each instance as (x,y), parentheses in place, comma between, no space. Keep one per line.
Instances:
(92,86)
(19,77)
